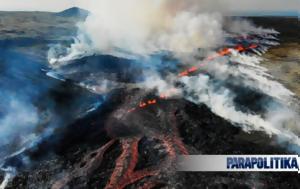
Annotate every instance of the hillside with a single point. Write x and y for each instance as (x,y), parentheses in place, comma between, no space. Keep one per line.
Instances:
(73,12)
(40,25)
(283,61)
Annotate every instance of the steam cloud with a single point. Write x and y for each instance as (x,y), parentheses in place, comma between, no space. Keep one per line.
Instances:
(141,27)
(138,29)
(17,123)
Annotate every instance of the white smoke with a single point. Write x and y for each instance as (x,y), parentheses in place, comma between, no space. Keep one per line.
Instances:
(17,130)
(200,90)
(245,70)
(254,75)
(18,122)
(141,28)
(10,173)
(78,49)
(245,27)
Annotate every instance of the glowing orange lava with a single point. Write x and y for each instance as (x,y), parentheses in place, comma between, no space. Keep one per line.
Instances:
(124,173)
(224,52)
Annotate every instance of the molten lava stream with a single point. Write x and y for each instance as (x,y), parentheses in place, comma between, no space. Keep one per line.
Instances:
(124,173)
(224,52)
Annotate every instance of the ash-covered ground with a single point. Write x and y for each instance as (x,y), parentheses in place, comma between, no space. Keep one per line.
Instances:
(202,132)
(84,136)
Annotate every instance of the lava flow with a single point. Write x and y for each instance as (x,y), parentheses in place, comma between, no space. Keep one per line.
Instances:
(125,173)
(224,52)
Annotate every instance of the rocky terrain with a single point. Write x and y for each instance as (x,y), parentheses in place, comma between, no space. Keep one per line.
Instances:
(73,157)
(283,61)
(202,132)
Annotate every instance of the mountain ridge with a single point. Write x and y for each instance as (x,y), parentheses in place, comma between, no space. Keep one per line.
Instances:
(73,12)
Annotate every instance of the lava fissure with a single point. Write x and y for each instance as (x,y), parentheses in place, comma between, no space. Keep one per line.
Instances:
(224,52)
(124,173)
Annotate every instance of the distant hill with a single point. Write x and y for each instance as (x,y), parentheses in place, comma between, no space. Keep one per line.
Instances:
(73,12)
(37,25)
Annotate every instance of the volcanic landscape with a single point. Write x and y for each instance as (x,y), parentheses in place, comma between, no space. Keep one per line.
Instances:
(98,126)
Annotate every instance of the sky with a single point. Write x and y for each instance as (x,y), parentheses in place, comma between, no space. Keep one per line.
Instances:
(227,5)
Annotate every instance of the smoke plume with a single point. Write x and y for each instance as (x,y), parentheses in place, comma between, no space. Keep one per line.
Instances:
(140,27)
(192,31)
